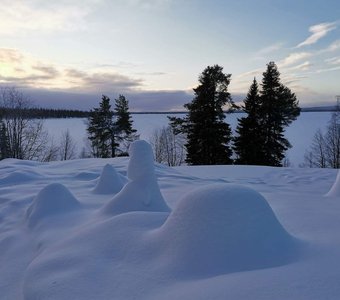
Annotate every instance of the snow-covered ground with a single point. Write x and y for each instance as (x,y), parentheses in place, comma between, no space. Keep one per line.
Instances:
(125,228)
(300,133)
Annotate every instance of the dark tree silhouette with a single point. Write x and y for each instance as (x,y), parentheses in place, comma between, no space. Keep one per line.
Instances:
(208,136)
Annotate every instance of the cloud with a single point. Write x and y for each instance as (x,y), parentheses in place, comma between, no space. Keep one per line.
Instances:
(302,67)
(20,17)
(333,60)
(149,4)
(19,68)
(251,73)
(270,49)
(138,100)
(293,58)
(332,69)
(318,31)
(334,46)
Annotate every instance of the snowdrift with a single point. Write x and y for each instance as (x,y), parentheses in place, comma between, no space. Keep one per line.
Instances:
(142,192)
(224,228)
(109,182)
(220,240)
(53,200)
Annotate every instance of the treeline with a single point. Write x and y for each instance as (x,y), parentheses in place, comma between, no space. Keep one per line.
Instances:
(43,113)
(23,136)
(259,138)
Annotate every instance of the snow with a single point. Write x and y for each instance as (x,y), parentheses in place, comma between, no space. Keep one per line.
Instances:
(142,192)
(205,232)
(110,182)
(53,199)
(335,189)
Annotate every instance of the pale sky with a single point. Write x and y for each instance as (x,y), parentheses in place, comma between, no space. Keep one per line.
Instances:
(67,53)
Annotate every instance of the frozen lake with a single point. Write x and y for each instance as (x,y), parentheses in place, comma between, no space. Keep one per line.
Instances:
(300,133)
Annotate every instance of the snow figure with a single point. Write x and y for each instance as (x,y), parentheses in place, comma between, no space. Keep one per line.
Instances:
(223,228)
(54,199)
(335,189)
(142,192)
(109,181)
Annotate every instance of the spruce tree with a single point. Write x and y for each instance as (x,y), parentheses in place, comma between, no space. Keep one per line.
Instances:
(249,141)
(101,130)
(208,136)
(123,125)
(279,107)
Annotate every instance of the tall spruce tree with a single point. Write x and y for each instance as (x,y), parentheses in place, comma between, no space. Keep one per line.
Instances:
(125,133)
(101,130)
(248,144)
(279,107)
(208,136)
(260,139)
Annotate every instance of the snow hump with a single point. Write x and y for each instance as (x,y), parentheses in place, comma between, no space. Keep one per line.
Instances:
(142,192)
(109,181)
(52,200)
(224,228)
(335,189)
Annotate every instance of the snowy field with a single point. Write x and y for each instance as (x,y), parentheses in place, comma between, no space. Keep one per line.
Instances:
(300,133)
(127,228)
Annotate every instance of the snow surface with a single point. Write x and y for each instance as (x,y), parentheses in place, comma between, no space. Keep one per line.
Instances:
(205,232)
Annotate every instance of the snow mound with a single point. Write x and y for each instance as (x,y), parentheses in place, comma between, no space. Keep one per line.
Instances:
(223,228)
(109,181)
(142,192)
(54,199)
(335,189)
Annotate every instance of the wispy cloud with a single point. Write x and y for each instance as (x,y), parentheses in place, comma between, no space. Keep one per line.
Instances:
(318,31)
(251,73)
(334,46)
(269,49)
(333,60)
(293,58)
(305,66)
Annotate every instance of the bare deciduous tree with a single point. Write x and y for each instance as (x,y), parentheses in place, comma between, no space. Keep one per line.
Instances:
(168,147)
(67,149)
(51,152)
(325,149)
(25,136)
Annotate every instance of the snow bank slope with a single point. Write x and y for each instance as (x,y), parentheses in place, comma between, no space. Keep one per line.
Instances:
(215,230)
(335,189)
(223,240)
(224,228)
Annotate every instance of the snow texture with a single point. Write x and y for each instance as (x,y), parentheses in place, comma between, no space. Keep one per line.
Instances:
(109,182)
